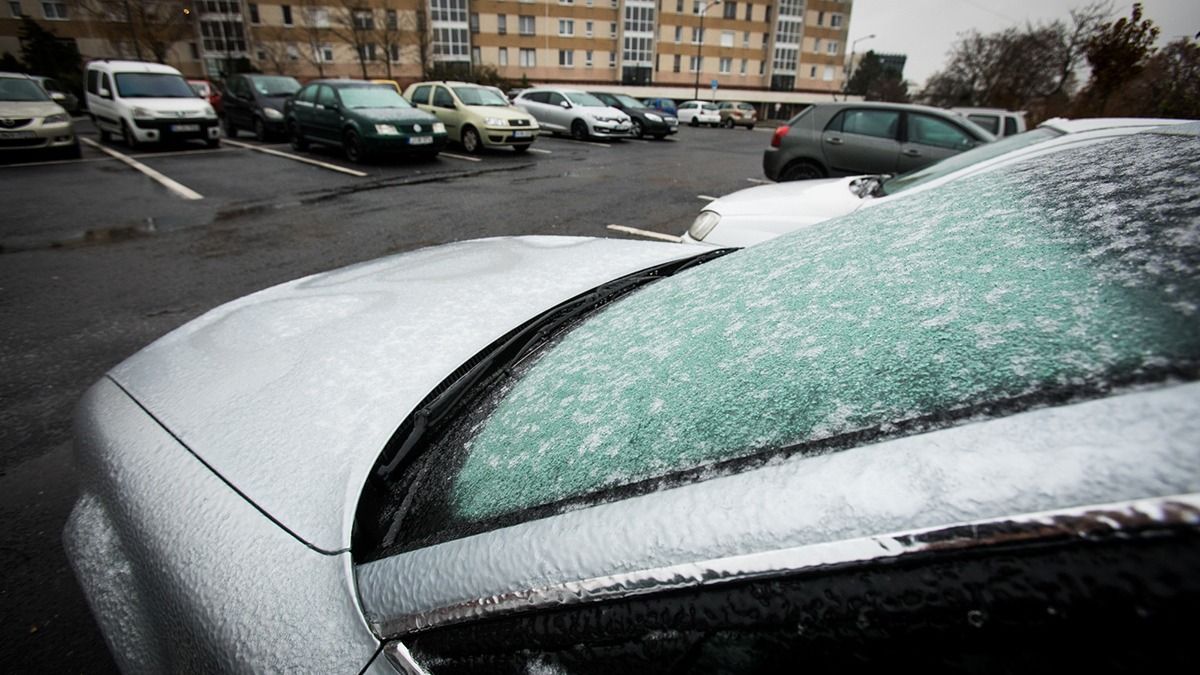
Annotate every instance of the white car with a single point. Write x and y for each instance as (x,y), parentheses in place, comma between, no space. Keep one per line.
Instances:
(574,112)
(147,103)
(749,216)
(696,113)
(999,121)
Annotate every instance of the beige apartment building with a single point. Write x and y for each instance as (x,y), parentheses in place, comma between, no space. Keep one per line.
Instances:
(748,45)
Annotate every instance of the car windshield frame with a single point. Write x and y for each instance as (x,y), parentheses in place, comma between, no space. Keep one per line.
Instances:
(367,96)
(262,85)
(963,160)
(479,96)
(27,90)
(153,85)
(584,99)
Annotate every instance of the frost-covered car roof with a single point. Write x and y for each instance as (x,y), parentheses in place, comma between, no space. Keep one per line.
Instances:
(1050,280)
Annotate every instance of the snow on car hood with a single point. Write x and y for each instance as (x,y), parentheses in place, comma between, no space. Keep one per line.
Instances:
(291,393)
(767,211)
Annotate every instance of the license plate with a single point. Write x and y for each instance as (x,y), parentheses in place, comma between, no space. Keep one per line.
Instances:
(522,134)
(420,140)
(179,128)
(17,134)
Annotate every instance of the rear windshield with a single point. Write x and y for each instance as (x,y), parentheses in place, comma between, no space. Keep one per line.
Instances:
(962,160)
(13,89)
(372,96)
(586,100)
(1047,281)
(152,85)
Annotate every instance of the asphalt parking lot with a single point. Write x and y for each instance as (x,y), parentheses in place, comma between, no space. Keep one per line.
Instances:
(104,254)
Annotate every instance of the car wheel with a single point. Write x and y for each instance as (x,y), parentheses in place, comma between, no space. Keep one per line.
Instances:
(693,123)
(260,129)
(297,139)
(728,122)
(73,152)
(127,135)
(801,170)
(579,130)
(105,136)
(749,127)
(353,146)
(213,142)
(659,137)
(230,130)
(638,131)
(520,149)
(470,140)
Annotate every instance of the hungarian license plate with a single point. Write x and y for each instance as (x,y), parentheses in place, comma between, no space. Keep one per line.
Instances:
(180,128)
(522,134)
(420,140)
(17,134)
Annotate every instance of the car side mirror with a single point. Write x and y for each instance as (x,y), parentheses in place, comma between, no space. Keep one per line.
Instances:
(565,104)
(57,96)
(105,93)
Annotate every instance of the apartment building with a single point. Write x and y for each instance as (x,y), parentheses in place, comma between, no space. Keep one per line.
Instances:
(765,45)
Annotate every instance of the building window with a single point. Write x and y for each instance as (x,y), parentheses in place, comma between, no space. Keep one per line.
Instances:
(731,10)
(726,65)
(566,58)
(746,40)
(693,64)
(222,36)
(820,18)
(527,58)
(392,19)
(193,47)
(697,37)
(476,56)
(318,17)
(55,11)
(287,14)
(612,28)
(451,42)
(14,8)
(696,6)
(675,65)
(678,9)
(502,24)
(612,59)
(835,20)
(678,34)
(253,6)
(832,47)
(260,55)
(504,56)
(587,28)
(828,74)
(587,58)
(474,22)
(525,25)
(812,72)
(566,27)
(743,71)
(727,38)
(366,52)
(364,19)
(566,2)
(325,53)
(448,10)
(816,44)
(293,54)
(749,11)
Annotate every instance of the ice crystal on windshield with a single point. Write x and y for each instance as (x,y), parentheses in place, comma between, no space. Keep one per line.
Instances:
(1070,269)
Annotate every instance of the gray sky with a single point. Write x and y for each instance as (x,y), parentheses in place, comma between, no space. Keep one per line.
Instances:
(926,29)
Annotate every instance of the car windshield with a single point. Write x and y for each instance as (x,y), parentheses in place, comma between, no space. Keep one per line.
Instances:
(745,106)
(152,85)
(480,96)
(1050,280)
(710,106)
(14,89)
(962,160)
(275,85)
(587,100)
(372,96)
(200,88)
(628,101)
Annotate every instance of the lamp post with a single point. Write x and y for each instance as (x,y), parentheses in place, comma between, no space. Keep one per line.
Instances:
(700,47)
(850,73)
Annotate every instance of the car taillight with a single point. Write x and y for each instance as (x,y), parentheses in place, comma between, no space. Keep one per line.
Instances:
(778,137)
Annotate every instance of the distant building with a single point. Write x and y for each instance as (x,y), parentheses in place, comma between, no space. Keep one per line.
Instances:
(893,62)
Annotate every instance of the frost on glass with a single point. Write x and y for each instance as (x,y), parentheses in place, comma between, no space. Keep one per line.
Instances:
(1073,270)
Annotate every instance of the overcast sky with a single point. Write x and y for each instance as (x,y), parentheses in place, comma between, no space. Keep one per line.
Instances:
(926,29)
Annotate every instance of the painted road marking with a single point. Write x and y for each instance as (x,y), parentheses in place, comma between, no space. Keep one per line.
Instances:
(178,188)
(540,151)
(52,162)
(647,233)
(298,158)
(462,157)
(759,181)
(707,198)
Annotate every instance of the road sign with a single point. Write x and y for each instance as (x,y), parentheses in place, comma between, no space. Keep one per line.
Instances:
(714,85)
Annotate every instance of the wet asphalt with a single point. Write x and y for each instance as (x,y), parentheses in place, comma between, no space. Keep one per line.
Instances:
(97,260)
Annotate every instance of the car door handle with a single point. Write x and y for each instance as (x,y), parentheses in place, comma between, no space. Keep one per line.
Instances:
(834,140)
(912,152)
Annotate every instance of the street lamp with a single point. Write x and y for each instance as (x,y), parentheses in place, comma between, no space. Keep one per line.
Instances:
(846,81)
(700,47)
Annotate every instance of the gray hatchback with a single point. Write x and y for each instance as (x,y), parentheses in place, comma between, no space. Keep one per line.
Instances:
(846,139)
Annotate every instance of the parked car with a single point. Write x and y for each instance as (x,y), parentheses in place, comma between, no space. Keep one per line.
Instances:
(695,113)
(58,93)
(753,215)
(846,139)
(643,121)
(929,431)
(255,103)
(147,103)
(662,105)
(998,121)
(30,120)
(209,92)
(574,112)
(478,117)
(737,114)
(365,120)
(390,83)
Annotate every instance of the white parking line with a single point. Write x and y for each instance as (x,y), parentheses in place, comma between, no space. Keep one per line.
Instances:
(462,157)
(707,198)
(647,233)
(540,151)
(759,181)
(152,155)
(298,158)
(572,140)
(176,187)
(769,130)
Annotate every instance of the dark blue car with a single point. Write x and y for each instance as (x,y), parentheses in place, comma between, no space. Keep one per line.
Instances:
(664,104)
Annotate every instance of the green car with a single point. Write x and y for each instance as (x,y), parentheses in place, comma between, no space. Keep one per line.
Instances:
(475,116)
(363,118)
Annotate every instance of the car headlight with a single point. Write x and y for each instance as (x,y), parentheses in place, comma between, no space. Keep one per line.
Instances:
(494,122)
(60,118)
(272,114)
(653,118)
(439,128)
(703,224)
(143,113)
(386,130)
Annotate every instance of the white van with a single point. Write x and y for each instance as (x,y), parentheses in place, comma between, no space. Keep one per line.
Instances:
(147,103)
(999,121)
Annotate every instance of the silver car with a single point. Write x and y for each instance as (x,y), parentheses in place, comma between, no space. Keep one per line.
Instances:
(31,121)
(849,139)
(929,432)
(574,112)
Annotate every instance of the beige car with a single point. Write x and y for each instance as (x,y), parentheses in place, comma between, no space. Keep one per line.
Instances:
(476,116)
(29,120)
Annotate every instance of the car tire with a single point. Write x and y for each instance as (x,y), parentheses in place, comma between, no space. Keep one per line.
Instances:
(105,135)
(471,141)
(637,130)
(213,142)
(801,170)
(579,130)
(749,127)
(728,122)
(230,130)
(659,137)
(296,138)
(352,145)
(520,149)
(73,152)
(127,136)
(260,129)
(693,123)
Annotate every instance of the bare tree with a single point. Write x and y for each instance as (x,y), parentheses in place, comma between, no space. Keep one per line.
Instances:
(279,54)
(149,27)
(315,28)
(389,34)
(355,24)
(423,39)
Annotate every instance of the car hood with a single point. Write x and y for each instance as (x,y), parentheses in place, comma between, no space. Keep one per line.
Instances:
(291,393)
(602,111)
(29,108)
(390,115)
(767,211)
(504,113)
(180,104)
(273,102)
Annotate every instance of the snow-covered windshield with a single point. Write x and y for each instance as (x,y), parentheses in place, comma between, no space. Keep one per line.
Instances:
(372,96)
(964,159)
(1056,278)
